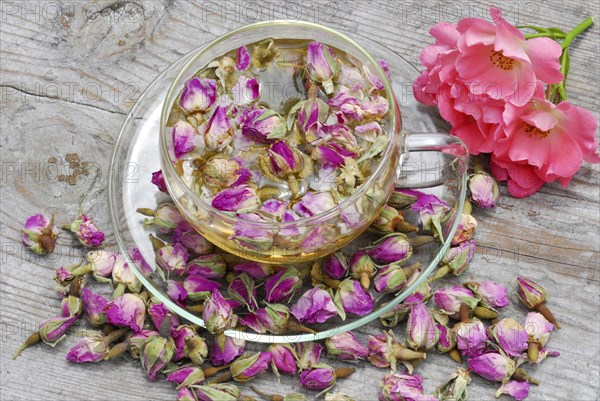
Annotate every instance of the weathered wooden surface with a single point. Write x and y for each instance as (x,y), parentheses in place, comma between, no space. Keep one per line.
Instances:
(71,71)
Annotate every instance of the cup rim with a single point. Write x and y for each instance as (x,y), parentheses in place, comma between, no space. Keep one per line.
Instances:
(326,215)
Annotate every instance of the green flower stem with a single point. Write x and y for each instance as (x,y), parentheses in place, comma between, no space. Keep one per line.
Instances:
(576,32)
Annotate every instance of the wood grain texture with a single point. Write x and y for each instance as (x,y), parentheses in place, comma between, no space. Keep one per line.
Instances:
(71,71)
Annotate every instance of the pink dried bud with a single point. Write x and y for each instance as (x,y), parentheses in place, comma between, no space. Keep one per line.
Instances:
(246,90)
(88,349)
(322,66)
(390,279)
(86,232)
(484,191)
(128,310)
(198,288)
(314,306)
(217,392)
(533,297)
(158,179)
(283,285)
(335,265)
(456,260)
(362,268)
(471,338)
(258,271)
(217,131)
(195,348)
(490,293)
(465,230)
(187,236)
(234,199)
(185,138)
(449,300)
(510,336)
(249,366)
(161,317)
(538,328)
(165,217)
(283,358)
(199,94)
(346,347)
(421,330)
(100,263)
(40,234)
(319,377)
(455,388)
(94,305)
(218,314)
(353,298)
(185,394)
(173,258)
(284,160)
(393,248)
(399,312)
(124,277)
(243,290)
(447,341)
(385,351)
(396,387)
(225,349)
(224,173)
(517,389)
(156,355)
(308,354)
(138,340)
(493,366)
(176,292)
(186,376)
(243,58)
(262,125)
(211,265)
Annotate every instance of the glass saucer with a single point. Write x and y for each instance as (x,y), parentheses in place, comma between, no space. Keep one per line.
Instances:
(136,156)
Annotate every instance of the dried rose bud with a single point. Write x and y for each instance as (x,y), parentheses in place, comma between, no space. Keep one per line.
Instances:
(189,344)
(185,394)
(283,358)
(217,392)
(392,278)
(510,336)
(39,234)
(395,387)
(283,285)
(225,349)
(346,347)
(217,131)
(218,314)
(393,248)
(211,265)
(124,278)
(243,58)
(88,349)
(308,354)
(250,236)
(314,306)
(100,263)
(400,200)
(198,94)
(456,260)
(94,305)
(176,292)
(186,376)
(431,210)
(471,338)
(362,268)
(243,290)
(335,265)
(63,276)
(538,329)
(156,355)
(249,366)
(161,316)
(127,310)
(312,113)
(86,231)
(137,341)
(275,318)
(187,236)
(353,298)
(198,287)
(484,191)
(517,389)
(185,138)
(400,312)
(385,351)
(262,125)
(533,297)
(490,293)
(390,220)
(319,377)
(447,340)
(258,271)
(322,66)
(172,258)
(233,199)
(493,366)
(465,230)
(331,154)
(246,90)
(455,388)
(158,179)
(283,161)
(421,330)
(165,217)
(450,299)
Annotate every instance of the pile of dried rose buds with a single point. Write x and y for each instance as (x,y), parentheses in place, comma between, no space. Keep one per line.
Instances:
(203,362)
(268,158)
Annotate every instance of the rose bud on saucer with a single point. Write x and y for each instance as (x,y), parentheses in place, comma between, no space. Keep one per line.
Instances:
(235,199)
(308,354)
(538,329)
(392,278)
(176,292)
(533,297)
(471,338)
(248,366)
(483,190)
(243,290)
(282,286)
(198,288)
(173,258)
(312,113)
(225,349)
(185,138)
(218,314)
(347,347)
(331,154)
(465,230)
(385,351)
(258,271)
(246,90)
(40,234)
(431,210)
(166,217)
(421,331)
(187,236)
(161,316)
(353,298)
(217,131)
(510,336)
(158,179)
(198,95)
(156,355)
(456,260)
(283,359)
(314,306)
(128,310)
(124,278)
(362,268)
(210,266)
(86,231)
(335,265)
(393,248)
(262,125)
(138,340)
(322,66)
(490,293)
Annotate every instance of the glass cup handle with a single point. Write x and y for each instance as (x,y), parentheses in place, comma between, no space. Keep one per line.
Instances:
(431,159)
